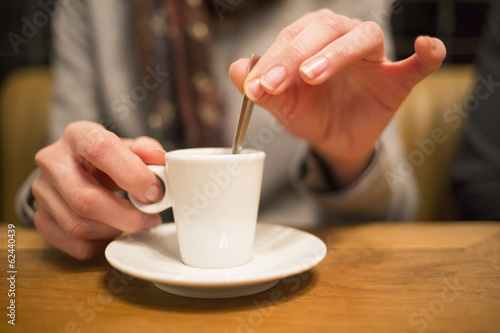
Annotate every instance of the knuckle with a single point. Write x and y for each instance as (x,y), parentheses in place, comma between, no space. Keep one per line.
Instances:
(373,30)
(83,201)
(70,129)
(42,157)
(73,128)
(289,33)
(325,12)
(139,180)
(97,143)
(77,228)
(297,52)
(142,181)
(36,188)
(329,20)
(342,52)
(356,21)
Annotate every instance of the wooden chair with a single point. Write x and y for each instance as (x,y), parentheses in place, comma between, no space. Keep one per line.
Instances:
(431,123)
(24,104)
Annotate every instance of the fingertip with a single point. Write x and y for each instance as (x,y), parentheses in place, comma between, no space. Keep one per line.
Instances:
(439,48)
(238,73)
(158,150)
(254,90)
(154,193)
(85,250)
(238,66)
(313,70)
(430,48)
(152,156)
(142,142)
(273,80)
(152,221)
(428,57)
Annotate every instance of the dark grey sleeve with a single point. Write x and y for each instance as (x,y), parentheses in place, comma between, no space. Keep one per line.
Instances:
(375,196)
(476,172)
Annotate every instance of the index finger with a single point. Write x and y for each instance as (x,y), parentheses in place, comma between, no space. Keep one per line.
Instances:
(105,151)
(279,66)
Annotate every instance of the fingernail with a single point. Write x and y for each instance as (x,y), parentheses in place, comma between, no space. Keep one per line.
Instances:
(158,149)
(315,67)
(274,78)
(153,194)
(152,221)
(254,90)
(433,43)
(431,40)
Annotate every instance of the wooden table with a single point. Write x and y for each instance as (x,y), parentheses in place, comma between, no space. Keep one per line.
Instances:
(376,277)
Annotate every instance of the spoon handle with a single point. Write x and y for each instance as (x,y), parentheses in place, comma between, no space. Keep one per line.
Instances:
(246,112)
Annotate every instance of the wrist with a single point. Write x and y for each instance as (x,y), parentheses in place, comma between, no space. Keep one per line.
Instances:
(344,172)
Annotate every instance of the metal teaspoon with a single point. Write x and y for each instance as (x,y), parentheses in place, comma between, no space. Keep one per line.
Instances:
(246,112)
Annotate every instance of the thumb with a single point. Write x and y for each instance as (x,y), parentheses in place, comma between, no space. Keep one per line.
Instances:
(429,55)
(278,105)
(238,73)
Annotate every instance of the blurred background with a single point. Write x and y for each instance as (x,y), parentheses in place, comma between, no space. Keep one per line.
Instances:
(458,23)
(36,52)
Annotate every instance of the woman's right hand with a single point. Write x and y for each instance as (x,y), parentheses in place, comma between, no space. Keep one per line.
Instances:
(77,209)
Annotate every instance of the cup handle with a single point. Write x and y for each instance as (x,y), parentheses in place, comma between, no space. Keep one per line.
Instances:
(165,201)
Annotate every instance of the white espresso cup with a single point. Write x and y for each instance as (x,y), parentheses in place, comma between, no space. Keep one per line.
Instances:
(215,200)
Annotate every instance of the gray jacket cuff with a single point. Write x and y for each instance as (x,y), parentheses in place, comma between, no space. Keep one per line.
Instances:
(25,204)
(369,198)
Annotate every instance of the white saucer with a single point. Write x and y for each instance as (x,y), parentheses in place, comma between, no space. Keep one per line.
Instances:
(153,255)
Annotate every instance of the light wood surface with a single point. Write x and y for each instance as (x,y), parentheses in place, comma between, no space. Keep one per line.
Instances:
(376,277)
